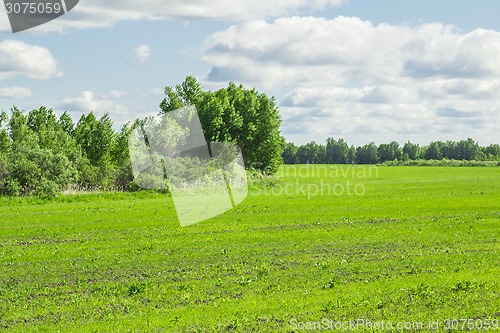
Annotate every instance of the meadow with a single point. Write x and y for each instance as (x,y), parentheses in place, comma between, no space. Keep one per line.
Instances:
(316,248)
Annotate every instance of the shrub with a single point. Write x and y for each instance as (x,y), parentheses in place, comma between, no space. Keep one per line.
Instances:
(442,162)
(40,172)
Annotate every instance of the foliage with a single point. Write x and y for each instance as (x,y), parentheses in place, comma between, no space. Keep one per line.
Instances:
(442,162)
(234,114)
(40,171)
(338,152)
(43,155)
(290,153)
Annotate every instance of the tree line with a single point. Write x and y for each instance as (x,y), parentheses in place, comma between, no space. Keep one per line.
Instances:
(43,154)
(340,152)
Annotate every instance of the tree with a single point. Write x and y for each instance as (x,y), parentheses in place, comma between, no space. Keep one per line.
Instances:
(449,150)
(336,151)
(290,153)
(66,123)
(41,154)
(411,150)
(351,156)
(33,162)
(96,138)
(308,153)
(367,154)
(389,152)
(234,114)
(468,150)
(321,154)
(434,151)
(384,152)
(492,152)
(121,158)
(43,123)
(19,132)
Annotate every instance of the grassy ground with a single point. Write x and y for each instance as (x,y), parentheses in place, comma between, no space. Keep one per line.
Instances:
(322,244)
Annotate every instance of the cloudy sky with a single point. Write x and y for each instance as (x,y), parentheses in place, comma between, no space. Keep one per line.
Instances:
(362,70)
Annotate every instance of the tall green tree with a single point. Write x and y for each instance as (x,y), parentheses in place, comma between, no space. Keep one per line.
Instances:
(43,123)
(411,150)
(311,153)
(469,150)
(21,135)
(389,152)
(245,117)
(367,154)
(290,153)
(306,154)
(492,152)
(96,138)
(434,151)
(121,158)
(336,151)
(351,156)
(67,124)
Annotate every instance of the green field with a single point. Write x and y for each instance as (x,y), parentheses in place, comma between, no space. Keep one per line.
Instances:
(319,244)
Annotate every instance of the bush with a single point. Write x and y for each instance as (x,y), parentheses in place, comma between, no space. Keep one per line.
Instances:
(12,188)
(46,188)
(442,162)
(40,172)
(88,175)
(4,173)
(124,178)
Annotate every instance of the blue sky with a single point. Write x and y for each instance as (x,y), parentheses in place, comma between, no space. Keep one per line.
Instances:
(362,70)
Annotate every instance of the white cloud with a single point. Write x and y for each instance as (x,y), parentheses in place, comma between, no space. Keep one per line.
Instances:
(353,50)
(158,92)
(15,92)
(88,101)
(117,94)
(142,53)
(21,59)
(96,13)
(347,77)
(120,105)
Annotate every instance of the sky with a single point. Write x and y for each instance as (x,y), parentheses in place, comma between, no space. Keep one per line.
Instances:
(361,70)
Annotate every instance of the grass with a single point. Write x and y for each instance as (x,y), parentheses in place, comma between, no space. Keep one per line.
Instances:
(399,244)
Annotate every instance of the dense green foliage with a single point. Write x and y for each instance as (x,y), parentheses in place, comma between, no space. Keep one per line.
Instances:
(420,244)
(339,152)
(41,154)
(234,114)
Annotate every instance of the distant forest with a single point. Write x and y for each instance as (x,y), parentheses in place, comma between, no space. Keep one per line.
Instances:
(339,152)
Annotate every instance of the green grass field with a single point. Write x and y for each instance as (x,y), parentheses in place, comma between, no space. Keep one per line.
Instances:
(321,244)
